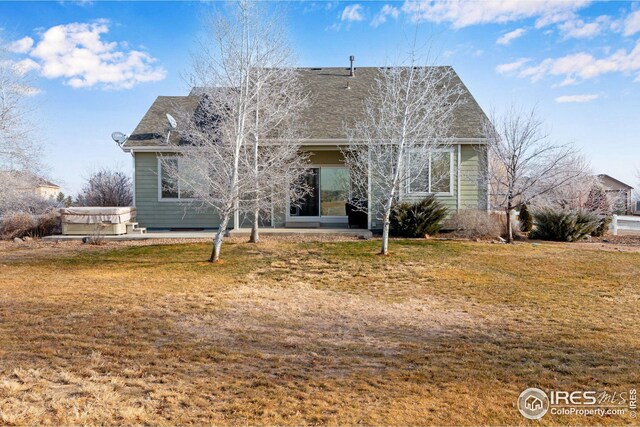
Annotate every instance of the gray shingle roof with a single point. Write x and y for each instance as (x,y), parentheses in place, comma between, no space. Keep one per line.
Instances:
(336,100)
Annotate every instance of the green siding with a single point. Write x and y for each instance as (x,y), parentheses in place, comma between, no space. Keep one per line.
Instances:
(473,185)
(153,213)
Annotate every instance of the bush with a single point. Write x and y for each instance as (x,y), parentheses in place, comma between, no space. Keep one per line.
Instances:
(526,220)
(22,224)
(16,225)
(603,227)
(475,224)
(563,225)
(417,219)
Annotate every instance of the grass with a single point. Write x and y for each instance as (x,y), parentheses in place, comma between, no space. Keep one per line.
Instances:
(313,333)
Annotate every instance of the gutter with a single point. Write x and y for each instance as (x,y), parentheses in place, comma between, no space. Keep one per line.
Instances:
(308,142)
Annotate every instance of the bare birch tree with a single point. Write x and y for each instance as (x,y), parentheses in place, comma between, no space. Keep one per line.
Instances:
(239,150)
(275,161)
(20,152)
(407,119)
(526,166)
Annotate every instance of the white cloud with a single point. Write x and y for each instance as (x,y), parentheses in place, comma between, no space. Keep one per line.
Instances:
(351,13)
(584,66)
(512,35)
(632,23)
(385,12)
(462,13)
(512,66)
(76,52)
(25,66)
(578,29)
(21,46)
(576,98)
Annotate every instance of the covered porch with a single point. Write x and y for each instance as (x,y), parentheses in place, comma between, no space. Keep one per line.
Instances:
(327,204)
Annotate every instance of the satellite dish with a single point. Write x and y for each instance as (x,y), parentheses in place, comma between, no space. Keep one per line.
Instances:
(119,137)
(172,122)
(172,125)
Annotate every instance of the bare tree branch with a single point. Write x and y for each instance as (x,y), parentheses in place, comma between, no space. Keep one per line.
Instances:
(240,148)
(527,168)
(408,115)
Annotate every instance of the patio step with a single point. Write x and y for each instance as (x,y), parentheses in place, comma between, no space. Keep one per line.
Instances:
(132,228)
(302,224)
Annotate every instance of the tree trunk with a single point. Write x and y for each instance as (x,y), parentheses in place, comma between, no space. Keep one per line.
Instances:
(255,234)
(217,242)
(509,224)
(385,235)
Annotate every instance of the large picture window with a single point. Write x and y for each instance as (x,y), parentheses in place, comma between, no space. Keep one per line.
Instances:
(170,188)
(433,177)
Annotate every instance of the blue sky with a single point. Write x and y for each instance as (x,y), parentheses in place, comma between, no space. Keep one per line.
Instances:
(99,65)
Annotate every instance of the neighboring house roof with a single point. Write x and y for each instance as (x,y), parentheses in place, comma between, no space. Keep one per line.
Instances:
(336,101)
(611,183)
(44,183)
(31,180)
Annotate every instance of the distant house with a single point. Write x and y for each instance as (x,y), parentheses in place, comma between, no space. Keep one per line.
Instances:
(46,189)
(619,194)
(336,96)
(26,182)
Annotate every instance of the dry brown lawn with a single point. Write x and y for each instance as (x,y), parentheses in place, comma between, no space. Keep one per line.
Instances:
(445,333)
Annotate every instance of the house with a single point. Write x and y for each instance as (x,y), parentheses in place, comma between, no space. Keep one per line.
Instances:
(26,182)
(336,100)
(46,189)
(618,193)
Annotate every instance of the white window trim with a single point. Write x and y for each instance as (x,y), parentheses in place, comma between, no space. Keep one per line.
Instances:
(408,191)
(169,199)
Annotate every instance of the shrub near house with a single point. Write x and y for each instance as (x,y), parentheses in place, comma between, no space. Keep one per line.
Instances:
(418,219)
(563,225)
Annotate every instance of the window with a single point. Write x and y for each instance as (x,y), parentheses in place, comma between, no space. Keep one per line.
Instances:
(169,187)
(328,196)
(433,177)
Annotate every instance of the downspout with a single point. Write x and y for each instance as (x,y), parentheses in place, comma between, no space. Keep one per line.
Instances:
(458,188)
(488,177)
(133,177)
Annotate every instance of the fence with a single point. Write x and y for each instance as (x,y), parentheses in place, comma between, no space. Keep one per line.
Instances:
(625,223)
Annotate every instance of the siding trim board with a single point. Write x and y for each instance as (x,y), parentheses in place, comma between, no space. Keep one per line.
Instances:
(305,143)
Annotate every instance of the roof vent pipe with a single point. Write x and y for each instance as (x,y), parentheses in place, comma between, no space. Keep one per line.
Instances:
(352,71)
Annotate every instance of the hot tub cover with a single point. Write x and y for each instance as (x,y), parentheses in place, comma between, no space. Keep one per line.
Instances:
(95,215)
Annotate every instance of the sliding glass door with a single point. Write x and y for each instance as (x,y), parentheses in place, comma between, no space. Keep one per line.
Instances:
(334,191)
(329,195)
(310,204)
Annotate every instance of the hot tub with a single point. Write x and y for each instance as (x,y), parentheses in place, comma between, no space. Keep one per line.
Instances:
(96,220)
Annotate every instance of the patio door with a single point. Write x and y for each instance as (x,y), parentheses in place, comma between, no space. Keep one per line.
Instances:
(329,195)
(309,206)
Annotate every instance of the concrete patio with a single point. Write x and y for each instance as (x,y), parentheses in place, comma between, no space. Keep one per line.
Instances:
(209,234)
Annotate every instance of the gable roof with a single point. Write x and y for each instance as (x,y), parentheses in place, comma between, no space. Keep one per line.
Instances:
(335,101)
(608,180)
(26,177)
